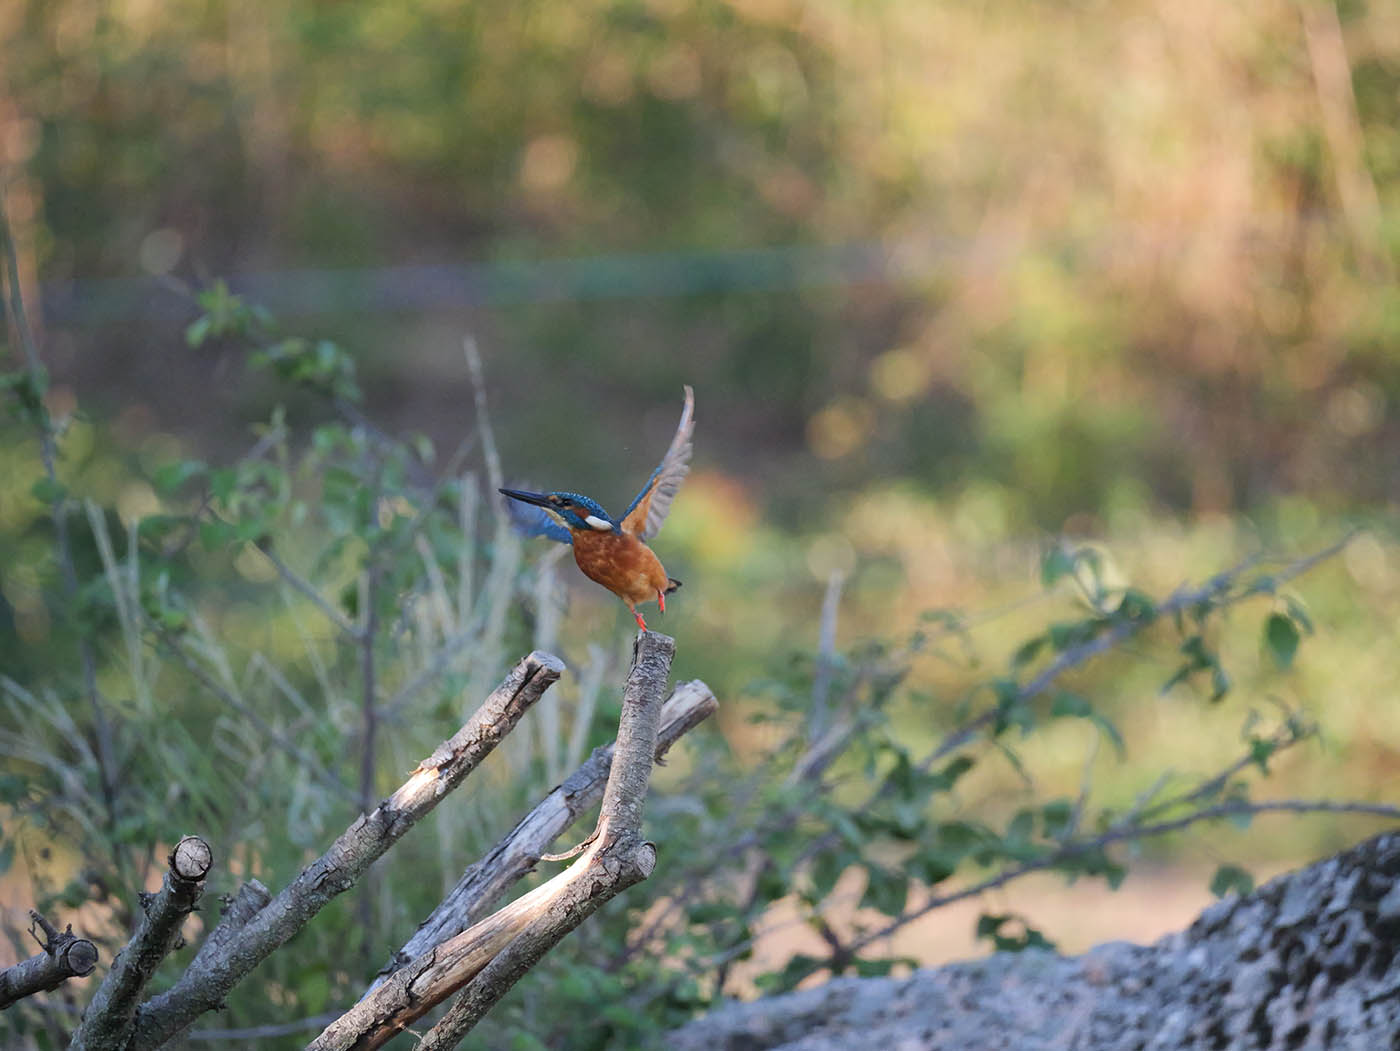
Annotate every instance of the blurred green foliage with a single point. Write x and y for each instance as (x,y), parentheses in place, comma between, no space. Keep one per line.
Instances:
(1138,252)
(236,623)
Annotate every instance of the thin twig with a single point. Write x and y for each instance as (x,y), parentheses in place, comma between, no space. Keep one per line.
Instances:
(826,656)
(300,584)
(1233,808)
(250,1036)
(305,759)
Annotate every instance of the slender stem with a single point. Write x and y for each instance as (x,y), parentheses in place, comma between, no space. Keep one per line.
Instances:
(48,452)
(370,716)
(1234,808)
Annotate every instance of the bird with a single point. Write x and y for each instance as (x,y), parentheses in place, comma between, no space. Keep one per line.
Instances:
(613,552)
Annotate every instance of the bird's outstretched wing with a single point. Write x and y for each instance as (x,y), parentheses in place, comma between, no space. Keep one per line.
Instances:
(646,513)
(530,520)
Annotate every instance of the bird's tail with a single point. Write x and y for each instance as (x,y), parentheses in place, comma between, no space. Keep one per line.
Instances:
(674,584)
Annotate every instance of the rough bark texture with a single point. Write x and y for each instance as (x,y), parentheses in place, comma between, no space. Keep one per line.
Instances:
(529,926)
(1309,962)
(515,855)
(64,955)
(109,1018)
(205,984)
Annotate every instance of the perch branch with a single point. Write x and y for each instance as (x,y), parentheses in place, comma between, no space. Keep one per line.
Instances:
(496,951)
(516,854)
(204,986)
(64,955)
(110,1017)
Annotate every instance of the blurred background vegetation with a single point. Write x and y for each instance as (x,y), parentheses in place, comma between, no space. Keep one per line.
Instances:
(951,281)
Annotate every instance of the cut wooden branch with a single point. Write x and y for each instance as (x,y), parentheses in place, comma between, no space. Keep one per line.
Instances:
(63,955)
(238,910)
(515,855)
(110,1017)
(207,981)
(502,947)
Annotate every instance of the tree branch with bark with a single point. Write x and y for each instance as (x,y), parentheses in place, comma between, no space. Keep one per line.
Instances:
(62,955)
(487,959)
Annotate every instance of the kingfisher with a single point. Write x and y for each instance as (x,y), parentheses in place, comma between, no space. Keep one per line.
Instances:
(611,551)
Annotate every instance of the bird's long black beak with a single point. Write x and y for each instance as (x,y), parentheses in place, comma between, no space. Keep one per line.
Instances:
(538,499)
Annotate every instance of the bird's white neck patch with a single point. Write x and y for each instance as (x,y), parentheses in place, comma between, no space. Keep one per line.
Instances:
(600,524)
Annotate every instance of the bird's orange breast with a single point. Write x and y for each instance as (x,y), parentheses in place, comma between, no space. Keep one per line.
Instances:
(621,563)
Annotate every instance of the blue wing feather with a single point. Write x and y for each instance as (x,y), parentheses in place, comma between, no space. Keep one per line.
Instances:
(530,520)
(645,515)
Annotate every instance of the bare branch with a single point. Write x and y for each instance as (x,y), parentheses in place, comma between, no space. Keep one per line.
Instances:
(204,985)
(300,584)
(532,924)
(1122,832)
(64,956)
(238,910)
(483,418)
(516,854)
(1216,590)
(826,653)
(110,1017)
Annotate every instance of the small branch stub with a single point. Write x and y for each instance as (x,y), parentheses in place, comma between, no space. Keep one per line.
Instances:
(109,1018)
(64,956)
(191,859)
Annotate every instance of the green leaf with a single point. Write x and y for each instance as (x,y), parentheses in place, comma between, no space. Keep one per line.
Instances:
(1021,827)
(198,331)
(1065,635)
(1261,749)
(825,870)
(1135,606)
(796,969)
(1057,563)
(48,491)
(1231,879)
(885,890)
(169,477)
(944,780)
(1281,639)
(992,926)
(1055,817)
(214,533)
(879,968)
(931,865)
(1071,705)
(1027,651)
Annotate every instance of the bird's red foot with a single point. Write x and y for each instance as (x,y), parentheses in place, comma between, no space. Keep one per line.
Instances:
(661,600)
(640,622)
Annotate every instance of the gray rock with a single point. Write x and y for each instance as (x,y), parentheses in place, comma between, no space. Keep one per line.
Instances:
(1308,962)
